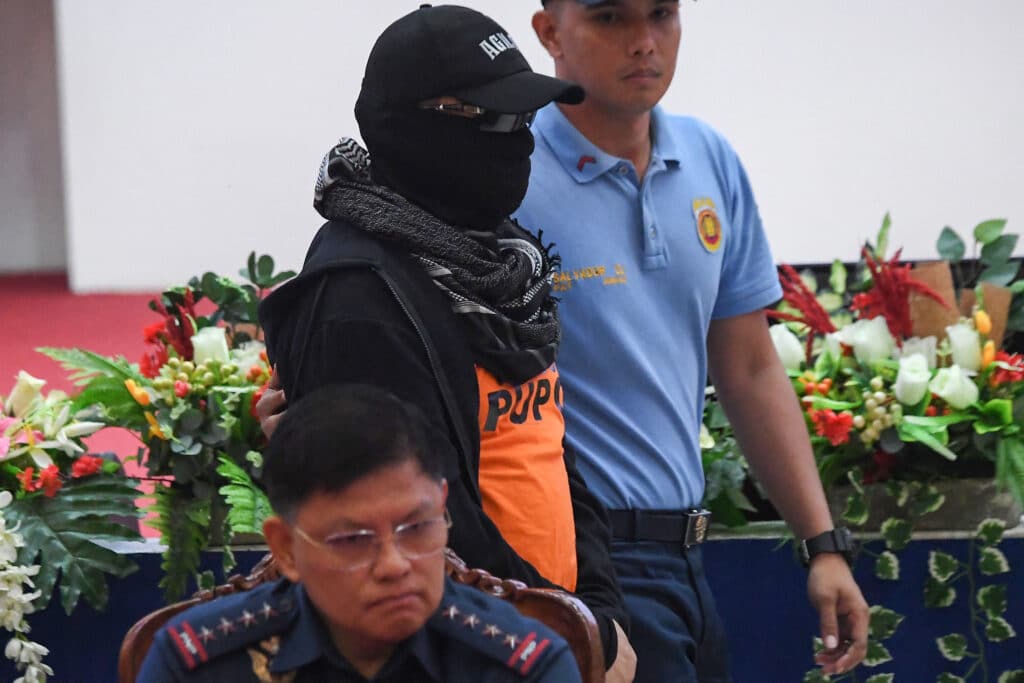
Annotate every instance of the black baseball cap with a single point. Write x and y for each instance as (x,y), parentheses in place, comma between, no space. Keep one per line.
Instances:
(456,51)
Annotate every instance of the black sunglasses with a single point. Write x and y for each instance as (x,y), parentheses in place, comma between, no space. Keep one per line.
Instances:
(491,121)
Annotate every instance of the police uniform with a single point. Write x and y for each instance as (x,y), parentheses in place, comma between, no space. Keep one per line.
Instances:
(273,634)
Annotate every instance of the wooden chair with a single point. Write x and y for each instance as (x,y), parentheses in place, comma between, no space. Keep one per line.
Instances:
(564,613)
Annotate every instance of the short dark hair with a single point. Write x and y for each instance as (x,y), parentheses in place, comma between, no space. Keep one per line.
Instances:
(338,434)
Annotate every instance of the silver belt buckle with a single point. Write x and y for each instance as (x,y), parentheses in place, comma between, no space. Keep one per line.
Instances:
(696,527)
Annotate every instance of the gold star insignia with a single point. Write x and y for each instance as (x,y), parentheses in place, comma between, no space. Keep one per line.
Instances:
(267,611)
(451,612)
(492,631)
(471,621)
(247,619)
(512,640)
(206,635)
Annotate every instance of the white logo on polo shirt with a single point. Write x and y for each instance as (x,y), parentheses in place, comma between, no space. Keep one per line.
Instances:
(496,43)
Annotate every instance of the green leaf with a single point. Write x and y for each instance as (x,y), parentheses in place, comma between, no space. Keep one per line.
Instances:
(953,647)
(896,533)
(1015,676)
(856,511)
(248,506)
(110,393)
(1017,287)
(990,531)
(63,535)
(877,654)
(927,499)
(1001,274)
(1010,467)
(882,241)
(837,277)
(899,491)
(86,364)
(994,415)
(992,599)
(830,301)
(887,566)
(264,267)
(914,432)
(998,630)
(988,231)
(250,271)
(999,250)
(938,594)
(950,247)
(948,678)
(992,561)
(815,676)
(942,566)
(183,522)
(881,678)
(883,622)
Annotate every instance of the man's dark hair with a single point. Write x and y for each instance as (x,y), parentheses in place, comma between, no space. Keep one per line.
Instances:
(338,434)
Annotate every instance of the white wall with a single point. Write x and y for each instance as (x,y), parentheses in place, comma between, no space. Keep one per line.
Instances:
(31,193)
(192,130)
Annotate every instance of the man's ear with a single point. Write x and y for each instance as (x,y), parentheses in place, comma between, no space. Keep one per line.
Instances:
(546,28)
(281,541)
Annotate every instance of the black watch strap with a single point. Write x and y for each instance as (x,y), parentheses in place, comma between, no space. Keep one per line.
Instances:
(838,540)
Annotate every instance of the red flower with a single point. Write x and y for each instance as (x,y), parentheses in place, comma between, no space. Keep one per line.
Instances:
(179,325)
(25,477)
(50,481)
(1004,376)
(835,427)
(85,466)
(155,333)
(797,294)
(181,389)
(890,292)
(256,396)
(152,360)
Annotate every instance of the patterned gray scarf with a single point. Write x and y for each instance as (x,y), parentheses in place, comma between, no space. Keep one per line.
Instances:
(498,281)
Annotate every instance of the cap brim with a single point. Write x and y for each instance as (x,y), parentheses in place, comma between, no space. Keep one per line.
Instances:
(521,92)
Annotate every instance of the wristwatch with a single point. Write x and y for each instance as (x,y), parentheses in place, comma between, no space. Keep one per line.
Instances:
(838,540)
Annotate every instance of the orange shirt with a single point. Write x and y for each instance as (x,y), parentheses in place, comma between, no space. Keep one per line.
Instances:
(523,482)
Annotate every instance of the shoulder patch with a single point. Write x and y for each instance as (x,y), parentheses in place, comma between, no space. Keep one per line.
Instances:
(494,628)
(209,630)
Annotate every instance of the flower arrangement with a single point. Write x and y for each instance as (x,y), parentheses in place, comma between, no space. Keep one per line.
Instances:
(893,411)
(190,401)
(56,504)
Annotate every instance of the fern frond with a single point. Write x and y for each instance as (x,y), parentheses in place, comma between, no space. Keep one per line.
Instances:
(85,364)
(248,506)
(182,521)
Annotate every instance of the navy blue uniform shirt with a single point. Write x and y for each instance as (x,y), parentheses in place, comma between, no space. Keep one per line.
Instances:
(272,634)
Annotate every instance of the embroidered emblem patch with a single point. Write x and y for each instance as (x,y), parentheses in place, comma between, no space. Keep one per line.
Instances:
(709,228)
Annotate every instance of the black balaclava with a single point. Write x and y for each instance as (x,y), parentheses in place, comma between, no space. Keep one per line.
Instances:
(467,177)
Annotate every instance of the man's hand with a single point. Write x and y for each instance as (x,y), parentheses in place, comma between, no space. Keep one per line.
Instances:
(843,613)
(624,667)
(271,406)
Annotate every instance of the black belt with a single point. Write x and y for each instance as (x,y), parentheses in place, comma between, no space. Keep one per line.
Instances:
(687,527)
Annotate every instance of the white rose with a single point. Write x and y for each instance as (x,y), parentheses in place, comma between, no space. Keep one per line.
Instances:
(210,343)
(965,345)
(789,348)
(832,347)
(247,355)
(25,392)
(912,380)
(924,346)
(954,386)
(870,339)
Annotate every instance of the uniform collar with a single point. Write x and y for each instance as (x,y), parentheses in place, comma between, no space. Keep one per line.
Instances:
(583,160)
(308,640)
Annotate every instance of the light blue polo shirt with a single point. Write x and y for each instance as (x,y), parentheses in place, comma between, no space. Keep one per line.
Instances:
(645,268)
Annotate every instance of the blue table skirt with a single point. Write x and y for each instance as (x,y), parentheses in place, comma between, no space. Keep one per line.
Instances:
(761,593)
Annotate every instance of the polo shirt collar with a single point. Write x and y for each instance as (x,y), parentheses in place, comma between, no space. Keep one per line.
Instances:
(582,159)
(308,640)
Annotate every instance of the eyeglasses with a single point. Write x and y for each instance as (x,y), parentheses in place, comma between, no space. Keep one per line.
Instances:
(354,550)
(492,121)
